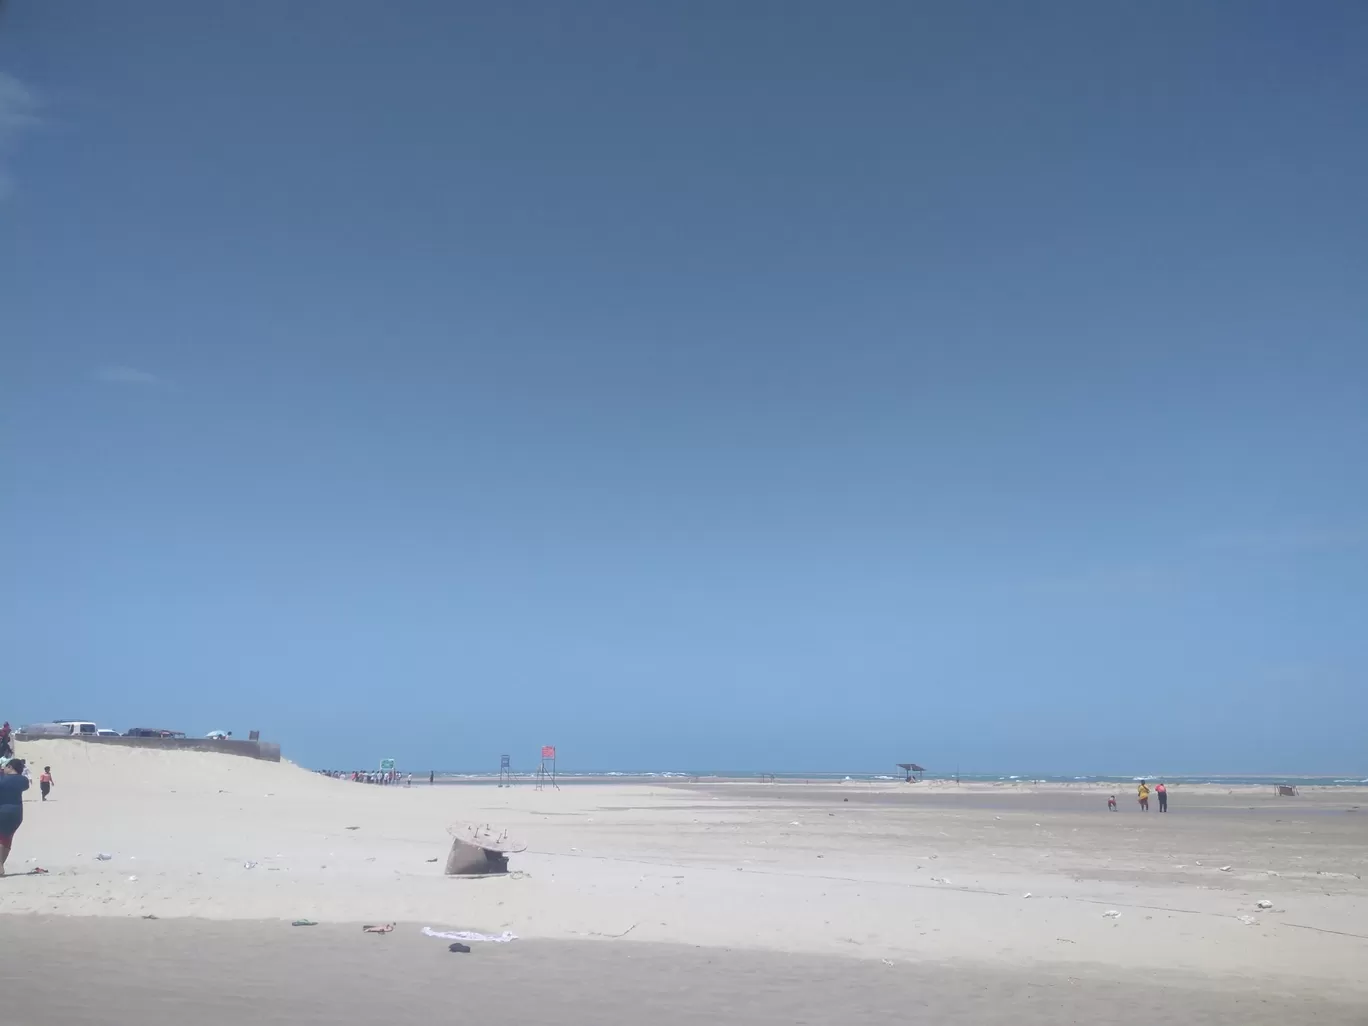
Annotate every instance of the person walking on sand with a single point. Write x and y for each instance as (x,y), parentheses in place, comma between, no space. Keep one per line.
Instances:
(1143,794)
(45,782)
(1161,792)
(13,784)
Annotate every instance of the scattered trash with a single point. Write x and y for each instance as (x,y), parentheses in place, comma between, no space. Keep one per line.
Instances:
(149,916)
(470,936)
(354,828)
(458,948)
(431,860)
(133,879)
(1263,904)
(939,880)
(1248,920)
(303,922)
(887,962)
(386,928)
(250,865)
(1027,894)
(1225,869)
(1112,914)
(104,856)
(795,823)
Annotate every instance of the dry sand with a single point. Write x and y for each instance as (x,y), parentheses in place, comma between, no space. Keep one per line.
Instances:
(770,882)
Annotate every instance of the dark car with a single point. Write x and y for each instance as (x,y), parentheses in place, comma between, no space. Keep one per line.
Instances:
(153,732)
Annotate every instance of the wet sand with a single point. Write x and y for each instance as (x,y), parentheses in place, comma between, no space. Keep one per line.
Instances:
(120,972)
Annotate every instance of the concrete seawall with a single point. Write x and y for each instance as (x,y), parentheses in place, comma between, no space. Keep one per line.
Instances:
(268,751)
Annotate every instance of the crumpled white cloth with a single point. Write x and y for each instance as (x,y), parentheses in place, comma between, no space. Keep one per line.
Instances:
(471,936)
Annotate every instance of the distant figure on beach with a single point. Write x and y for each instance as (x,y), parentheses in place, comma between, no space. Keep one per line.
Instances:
(45,782)
(13,784)
(5,748)
(432,776)
(1143,794)
(1111,804)
(1162,793)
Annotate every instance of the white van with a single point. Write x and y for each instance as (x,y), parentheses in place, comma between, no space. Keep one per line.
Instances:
(80,726)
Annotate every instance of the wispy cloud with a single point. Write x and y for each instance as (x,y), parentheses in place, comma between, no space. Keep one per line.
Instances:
(18,112)
(1297,539)
(1115,582)
(131,376)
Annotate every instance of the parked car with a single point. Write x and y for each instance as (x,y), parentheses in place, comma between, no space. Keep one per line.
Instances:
(219,735)
(106,732)
(80,726)
(45,730)
(152,732)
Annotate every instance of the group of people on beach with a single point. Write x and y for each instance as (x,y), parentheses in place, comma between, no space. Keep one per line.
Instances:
(1142,795)
(385,778)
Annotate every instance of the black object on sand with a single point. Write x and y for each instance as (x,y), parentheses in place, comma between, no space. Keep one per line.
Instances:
(459,948)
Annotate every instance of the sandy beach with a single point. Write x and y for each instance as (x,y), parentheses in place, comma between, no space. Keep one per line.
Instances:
(882,890)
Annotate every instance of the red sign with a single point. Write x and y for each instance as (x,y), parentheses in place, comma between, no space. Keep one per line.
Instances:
(548,751)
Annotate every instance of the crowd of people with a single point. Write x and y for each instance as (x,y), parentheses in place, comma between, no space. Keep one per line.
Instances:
(385,778)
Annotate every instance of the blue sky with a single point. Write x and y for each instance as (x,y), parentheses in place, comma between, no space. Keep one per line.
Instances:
(768,386)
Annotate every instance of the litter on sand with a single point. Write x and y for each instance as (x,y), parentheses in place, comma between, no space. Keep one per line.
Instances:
(1225,869)
(1111,914)
(470,936)
(104,856)
(250,865)
(1249,920)
(303,922)
(386,928)
(457,948)
(1027,894)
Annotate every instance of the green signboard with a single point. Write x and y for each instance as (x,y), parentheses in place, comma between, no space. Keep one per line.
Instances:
(386,765)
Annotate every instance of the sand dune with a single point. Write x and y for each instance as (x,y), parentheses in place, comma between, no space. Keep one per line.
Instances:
(869,871)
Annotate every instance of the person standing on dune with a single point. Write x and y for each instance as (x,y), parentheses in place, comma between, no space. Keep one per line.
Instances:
(13,784)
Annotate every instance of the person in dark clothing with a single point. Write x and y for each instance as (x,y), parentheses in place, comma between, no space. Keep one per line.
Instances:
(13,784)
(1161,792)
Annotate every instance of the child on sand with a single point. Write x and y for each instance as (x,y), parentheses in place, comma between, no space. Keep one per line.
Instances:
(45,782)
(1111,804)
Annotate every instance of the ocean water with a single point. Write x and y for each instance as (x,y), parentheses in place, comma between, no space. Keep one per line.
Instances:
(828,777)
